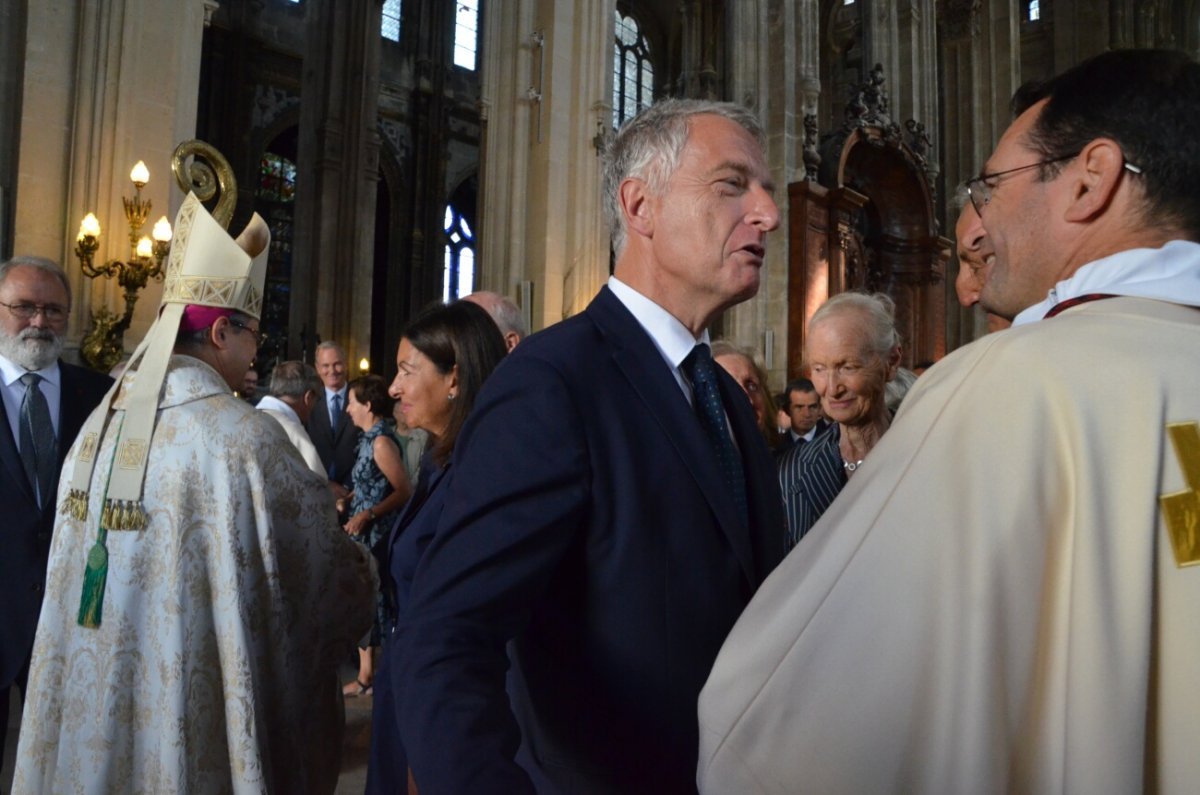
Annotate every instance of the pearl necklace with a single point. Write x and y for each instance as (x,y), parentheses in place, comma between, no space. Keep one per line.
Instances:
(850,466)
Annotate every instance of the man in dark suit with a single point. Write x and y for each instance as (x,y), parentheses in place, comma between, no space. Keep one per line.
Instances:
(37,429)
(803,407)
(332,433)
(613,505)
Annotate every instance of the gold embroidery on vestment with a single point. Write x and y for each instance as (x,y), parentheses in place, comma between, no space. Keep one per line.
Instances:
(1181,510)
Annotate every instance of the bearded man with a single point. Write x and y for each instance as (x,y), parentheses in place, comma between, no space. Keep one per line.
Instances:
(45,402)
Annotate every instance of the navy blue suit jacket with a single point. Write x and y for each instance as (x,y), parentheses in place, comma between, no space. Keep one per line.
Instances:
(402,550)
(339,449)
(25,530)
(587,527)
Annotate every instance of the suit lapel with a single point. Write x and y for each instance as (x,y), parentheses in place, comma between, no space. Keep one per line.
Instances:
(12,458)
(654,383)
(418,499)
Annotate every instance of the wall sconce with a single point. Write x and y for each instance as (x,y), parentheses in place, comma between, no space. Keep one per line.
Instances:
(103,346)
(364,365)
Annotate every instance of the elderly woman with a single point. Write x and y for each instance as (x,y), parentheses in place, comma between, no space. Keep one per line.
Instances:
(852,350)
(444,357)
(741,366)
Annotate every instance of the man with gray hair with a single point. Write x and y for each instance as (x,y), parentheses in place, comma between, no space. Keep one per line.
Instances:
(45,402)
(613,506)
(506,314)
(294,389)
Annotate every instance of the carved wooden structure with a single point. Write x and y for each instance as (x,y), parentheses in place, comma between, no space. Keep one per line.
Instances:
(864,219)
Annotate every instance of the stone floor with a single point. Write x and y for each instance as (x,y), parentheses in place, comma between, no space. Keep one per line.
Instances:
(355,745)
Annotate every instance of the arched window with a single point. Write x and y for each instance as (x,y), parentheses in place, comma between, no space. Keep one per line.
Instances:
(1035,10)
(275,200)
(466,33)
(390,26)
(458,273)
(633,74)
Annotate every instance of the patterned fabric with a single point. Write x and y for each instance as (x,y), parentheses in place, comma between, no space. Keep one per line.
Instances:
(215,668)
(810,476)
(707,395)
(371,486)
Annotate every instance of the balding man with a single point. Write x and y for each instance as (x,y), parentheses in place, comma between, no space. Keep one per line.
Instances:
(506,314)
(293,391)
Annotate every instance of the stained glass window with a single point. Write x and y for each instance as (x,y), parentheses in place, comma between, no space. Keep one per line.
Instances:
(390,27)
(458,274)
(276,178)
(633,74)
(466,33)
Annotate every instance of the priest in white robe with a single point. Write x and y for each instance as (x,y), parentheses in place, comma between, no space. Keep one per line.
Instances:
(199,591)
(1004,597)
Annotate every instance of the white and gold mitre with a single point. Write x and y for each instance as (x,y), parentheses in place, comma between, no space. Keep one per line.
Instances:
(207,267)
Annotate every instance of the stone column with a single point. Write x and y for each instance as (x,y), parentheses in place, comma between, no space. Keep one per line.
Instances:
(545,102)
(981,60)
(12,72)
(781,81)
(106,83)
(338,173)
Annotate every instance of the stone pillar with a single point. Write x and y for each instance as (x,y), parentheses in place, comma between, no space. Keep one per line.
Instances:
(427,190)
(773,68)
(541,220)
(106,83)
(338,173)
(981,59)
(12,72)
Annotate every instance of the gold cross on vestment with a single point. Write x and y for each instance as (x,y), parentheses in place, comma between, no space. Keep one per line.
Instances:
(1181,510)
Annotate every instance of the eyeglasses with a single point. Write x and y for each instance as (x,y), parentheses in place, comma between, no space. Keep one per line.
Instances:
(259,336)
(25,311)
(981,192)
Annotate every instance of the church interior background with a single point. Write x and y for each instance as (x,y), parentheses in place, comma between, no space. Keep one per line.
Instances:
(409,150)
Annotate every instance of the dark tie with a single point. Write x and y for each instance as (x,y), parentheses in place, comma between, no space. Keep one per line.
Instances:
(707,397)
(335,413)
(39,447)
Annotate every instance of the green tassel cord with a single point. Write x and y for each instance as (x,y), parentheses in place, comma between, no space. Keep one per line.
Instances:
(95,574)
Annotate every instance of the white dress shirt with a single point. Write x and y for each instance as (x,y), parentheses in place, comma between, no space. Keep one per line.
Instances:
(14,393)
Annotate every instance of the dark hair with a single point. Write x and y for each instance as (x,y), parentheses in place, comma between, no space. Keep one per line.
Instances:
(372,392)
(460,334)
(799,385)
(294,379)
(1147,101)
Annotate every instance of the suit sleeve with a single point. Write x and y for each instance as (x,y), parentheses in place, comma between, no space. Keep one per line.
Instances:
(517,499)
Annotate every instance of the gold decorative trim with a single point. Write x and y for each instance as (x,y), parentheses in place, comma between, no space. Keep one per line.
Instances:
(1181,510)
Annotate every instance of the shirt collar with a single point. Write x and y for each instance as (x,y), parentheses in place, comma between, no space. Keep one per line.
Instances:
(11,372)
(272,403)
(1170,273)
(671,337)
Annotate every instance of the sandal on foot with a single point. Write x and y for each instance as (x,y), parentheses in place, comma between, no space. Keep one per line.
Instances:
(356,689)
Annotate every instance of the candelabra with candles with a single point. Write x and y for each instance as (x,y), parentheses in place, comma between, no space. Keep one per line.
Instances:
(104,344)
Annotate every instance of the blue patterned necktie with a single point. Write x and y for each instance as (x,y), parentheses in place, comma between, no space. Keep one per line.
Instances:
(706,394)
(39,447)
(335,413)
